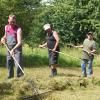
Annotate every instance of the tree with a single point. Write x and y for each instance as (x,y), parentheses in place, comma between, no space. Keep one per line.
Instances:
(23,9)
(71,18)
(74,18)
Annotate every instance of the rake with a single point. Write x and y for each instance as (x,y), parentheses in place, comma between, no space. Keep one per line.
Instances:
(13,58)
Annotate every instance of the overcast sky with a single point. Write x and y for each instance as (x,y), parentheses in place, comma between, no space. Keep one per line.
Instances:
(45,0)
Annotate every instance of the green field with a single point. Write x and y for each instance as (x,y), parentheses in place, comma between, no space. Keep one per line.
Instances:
(67,85)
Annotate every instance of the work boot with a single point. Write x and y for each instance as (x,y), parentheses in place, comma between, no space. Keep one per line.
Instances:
(9,77)
(20,75)
(54,72)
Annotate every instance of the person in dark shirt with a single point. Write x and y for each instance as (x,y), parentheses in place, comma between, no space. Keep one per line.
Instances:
(53,48)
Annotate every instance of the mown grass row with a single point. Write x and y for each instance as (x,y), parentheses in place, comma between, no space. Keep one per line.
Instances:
(17,89)
(35,60)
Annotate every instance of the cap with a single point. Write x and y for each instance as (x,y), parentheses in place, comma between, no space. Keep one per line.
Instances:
(46,26)
(90,33)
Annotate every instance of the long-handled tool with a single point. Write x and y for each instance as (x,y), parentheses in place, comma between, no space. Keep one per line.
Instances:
(66,54)
(14,58)
(89,53)
(62,53)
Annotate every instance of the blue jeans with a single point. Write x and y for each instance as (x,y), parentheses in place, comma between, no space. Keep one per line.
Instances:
(90,69)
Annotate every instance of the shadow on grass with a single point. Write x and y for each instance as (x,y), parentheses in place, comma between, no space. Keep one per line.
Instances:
(34,61)
(2,60)
(40,61)
(5,94)
(68,75)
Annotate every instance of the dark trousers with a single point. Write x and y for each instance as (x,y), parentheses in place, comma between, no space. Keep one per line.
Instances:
(11,62)
(53,57)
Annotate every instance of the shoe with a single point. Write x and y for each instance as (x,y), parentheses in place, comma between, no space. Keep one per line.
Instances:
(53,72)
(20,75)
(90,76)
(9,77)
(84,76)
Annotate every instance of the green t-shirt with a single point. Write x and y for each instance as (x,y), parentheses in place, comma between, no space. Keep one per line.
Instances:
(88,46)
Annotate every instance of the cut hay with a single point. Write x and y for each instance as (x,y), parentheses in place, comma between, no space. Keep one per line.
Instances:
(37,88)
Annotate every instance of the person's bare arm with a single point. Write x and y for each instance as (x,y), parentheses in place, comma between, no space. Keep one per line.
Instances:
(43,45)
(19,40)
(3,39)
(94,48)
(93,51)
(80,46)
(55,34)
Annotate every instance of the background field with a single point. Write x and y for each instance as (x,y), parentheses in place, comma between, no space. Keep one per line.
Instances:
(67,85)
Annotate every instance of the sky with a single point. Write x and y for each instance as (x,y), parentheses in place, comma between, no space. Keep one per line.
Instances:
(46,1)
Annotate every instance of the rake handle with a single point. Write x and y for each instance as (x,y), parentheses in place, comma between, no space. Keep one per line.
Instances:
(13,57)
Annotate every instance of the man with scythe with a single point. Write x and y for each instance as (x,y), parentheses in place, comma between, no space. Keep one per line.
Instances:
(13,38)
(53,48)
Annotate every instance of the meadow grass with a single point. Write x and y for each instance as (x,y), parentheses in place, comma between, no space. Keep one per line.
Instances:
(37,57)
(66,86)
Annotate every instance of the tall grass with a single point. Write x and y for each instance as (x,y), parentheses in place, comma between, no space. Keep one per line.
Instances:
(34,57)
(70,57)
(38,57)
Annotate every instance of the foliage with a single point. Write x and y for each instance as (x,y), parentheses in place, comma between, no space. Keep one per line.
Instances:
(23,9)
(71,18)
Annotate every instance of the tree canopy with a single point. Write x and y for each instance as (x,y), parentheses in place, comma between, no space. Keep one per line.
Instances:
(71,18)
